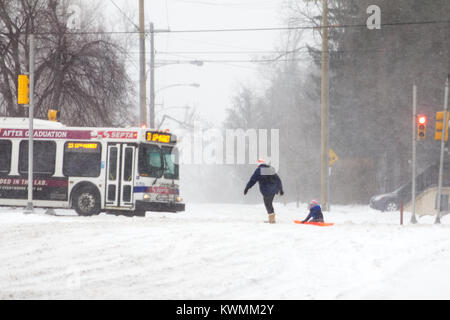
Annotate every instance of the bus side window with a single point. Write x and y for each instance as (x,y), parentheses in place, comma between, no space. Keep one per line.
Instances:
(113,164)
(5,157)
(82,159)
(44,154)
(128,168)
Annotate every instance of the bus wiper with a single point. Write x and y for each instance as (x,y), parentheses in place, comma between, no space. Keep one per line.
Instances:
(156,179)
(165,163)
(162,169)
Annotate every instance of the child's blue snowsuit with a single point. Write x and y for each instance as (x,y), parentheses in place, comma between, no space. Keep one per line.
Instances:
(315,212)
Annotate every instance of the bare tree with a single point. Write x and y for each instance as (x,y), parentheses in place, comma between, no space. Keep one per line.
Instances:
(79,72)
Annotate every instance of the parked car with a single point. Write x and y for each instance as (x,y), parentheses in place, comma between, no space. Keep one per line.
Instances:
(426,179)
(391,201)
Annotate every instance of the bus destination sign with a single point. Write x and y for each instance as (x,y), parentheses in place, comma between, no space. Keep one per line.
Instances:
(160,137)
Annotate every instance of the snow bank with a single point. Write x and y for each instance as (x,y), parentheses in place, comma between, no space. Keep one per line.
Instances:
(215,251)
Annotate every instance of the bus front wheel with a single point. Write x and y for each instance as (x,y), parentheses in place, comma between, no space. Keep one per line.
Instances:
(86,202)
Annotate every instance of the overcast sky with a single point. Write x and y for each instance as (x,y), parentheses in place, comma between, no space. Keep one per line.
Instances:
(218,80)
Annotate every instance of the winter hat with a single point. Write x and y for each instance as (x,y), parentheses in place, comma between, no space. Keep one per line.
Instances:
(313,203)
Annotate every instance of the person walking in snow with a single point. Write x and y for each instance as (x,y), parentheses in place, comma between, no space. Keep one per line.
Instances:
(315,212)
(269,185)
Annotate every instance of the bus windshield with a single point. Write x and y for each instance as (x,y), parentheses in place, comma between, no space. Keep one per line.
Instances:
(150,161)
(157,162)
(170,161)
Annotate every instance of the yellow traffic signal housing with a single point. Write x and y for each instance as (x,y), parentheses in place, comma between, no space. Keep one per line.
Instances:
(421,127)
(53,115)
(22,89)
(440,125)
(332,157)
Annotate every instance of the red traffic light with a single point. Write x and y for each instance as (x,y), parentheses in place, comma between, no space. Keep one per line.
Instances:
(421,126)
(421,119)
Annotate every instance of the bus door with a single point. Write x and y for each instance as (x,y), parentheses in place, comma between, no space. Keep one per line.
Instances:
(120,175)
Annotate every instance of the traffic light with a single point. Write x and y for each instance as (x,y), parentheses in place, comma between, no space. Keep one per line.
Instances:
(22,89)
(440,125)
(53,115)
(421,127)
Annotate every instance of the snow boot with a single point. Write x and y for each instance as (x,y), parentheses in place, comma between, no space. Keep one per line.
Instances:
(271,218)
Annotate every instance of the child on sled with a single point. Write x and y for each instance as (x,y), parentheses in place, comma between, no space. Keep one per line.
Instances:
(315,212)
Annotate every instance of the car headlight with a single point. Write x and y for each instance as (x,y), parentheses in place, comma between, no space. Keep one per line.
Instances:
(377,198)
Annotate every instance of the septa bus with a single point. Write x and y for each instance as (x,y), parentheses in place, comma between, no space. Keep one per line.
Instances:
(91,170)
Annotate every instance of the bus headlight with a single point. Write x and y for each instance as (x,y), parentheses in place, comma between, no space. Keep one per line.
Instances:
(179,199)
(146,196)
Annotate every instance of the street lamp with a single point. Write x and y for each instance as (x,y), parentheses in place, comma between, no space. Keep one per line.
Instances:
(163,63)
(195,85)
(197,63)
(175,107)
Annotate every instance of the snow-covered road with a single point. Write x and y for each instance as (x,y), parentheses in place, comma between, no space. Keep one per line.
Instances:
(225,251)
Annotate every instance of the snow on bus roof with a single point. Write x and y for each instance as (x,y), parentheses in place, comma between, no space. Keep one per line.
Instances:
(23,123)
(47,124)
(37,123)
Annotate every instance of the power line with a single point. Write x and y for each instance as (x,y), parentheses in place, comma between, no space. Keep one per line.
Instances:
(167,14)
(298,51)
(191,40)
(222,52)
(123,13)
(228,3)
(236,52)
(306,27)
(239,4)
(244,29)
(254,61)
(231,60)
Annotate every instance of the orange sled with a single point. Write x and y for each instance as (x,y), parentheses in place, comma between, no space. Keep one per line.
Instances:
(321,224)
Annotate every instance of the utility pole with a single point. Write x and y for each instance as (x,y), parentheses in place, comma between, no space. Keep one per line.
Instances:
(441,164)
(29,208)
(143,87)
(324,108)
(414,143)
(152,76)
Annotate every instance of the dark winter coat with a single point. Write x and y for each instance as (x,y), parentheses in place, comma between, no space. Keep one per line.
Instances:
(269,182)
(315,213)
